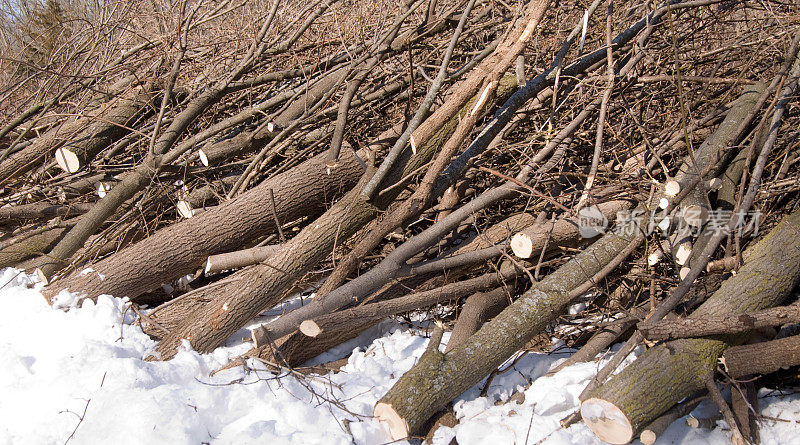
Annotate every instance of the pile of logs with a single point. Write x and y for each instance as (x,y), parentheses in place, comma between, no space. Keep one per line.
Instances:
(499,160)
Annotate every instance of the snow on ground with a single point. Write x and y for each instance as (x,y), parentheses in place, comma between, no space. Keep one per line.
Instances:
(77,375)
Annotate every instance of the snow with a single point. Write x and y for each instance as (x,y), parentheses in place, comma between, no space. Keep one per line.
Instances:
(79,368)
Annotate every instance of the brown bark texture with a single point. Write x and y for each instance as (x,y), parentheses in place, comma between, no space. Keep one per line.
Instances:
(669,372)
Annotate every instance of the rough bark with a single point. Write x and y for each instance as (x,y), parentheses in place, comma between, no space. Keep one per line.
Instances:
(31,247)
(478,308)
(707,326)
(233,307)
(671,371)
(39,211)
(79,151)
(440,377)
(183,247)
(762,358)
(565,232)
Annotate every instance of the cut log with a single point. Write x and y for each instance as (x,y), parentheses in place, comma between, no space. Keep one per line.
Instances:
(438,378)
(695,206)
(564,232)
(238,259)
(183,247)
(707,326)
(339,321)
(762,358)
(77,152)
(669,372)
(83,135)
(31,247)
(658,426)
(205,196)
(39,211)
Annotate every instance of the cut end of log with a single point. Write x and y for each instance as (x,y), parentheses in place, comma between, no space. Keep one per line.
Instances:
(695,215)
(103,189)
(606,421)
(522,245)
(714,184)
(42,277)
(67,160)
(209,266)
(654,258)
(683,253)
(672,188)
(664,224)
(271,127)
(203,157)
(310,329)
(185,209)
(398,427)
(663,203)
(648,437)
(413,144)
(684,272)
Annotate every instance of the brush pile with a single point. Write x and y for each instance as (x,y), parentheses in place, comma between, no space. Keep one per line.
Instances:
(600,171)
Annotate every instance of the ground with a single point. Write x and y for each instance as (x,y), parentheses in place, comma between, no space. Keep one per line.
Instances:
(78,375)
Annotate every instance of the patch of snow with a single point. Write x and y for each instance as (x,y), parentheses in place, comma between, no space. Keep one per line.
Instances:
(84,360)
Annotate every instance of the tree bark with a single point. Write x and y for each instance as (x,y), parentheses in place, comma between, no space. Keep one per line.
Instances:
(339,321)
(564,232)
(39,211)
(440,377)
(671,371)
(79,151)
(478,308)
(183,247)
(762,358)
(707,326)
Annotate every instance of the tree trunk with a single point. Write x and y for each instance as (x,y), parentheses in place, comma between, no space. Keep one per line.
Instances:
(707,326)
(563,232)
(762,358)
(439,377)
(671,371)
(183,247)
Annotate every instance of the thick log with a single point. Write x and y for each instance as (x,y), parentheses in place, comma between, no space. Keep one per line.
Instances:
(669,372)
(39,211)
(234,305)
(762,358)
(439,377)
(707,326)
(183,247)
(79,151)
(566,232)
